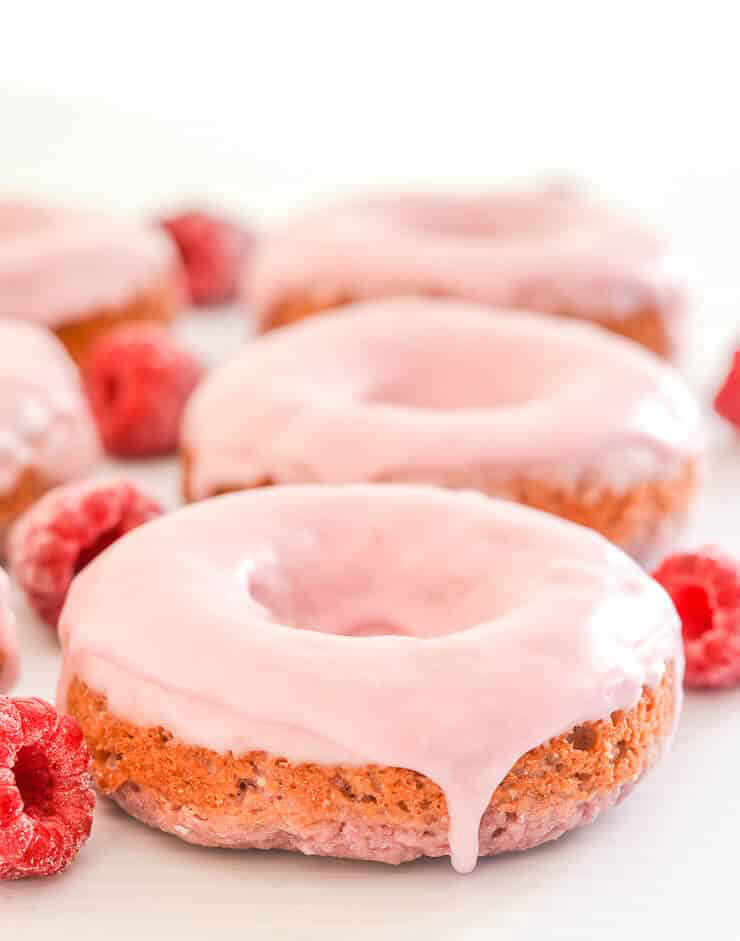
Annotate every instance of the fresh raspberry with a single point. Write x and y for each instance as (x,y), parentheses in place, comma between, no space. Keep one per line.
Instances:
(727,400)
(138,380)
(67,528)
(46,795)
(705,588)
(213,251)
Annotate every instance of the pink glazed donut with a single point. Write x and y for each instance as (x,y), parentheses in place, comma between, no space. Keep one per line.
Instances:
(550,250)
(79,273)
(370,672)
(556,414)
(47,434)
(9,659)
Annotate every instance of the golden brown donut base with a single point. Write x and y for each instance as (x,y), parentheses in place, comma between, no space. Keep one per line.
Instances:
(29,487)
(159,303)
(638,519)
(370,811)
(646,327)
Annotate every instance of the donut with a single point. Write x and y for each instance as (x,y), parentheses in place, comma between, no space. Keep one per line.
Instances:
(369,672)
(555,414)
(80,273)
(47,434)
(551,250)
(9,659)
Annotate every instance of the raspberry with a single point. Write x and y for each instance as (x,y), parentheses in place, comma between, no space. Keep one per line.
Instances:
(8,639)
(705,588)
(138,380)
(213,252)
(46,795)
(67,528)
(727,400)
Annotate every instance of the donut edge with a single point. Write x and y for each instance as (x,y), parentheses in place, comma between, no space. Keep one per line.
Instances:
(370,812)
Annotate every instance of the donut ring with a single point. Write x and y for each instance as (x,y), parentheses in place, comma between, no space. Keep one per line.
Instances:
(370,672)
(551,251)
(438,391)
(80,273)
(9,659)
(47,434)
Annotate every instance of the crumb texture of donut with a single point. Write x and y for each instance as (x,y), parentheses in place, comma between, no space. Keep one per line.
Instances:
(647,327)
(639,520)
(25,492)
(160,303)
(371,812)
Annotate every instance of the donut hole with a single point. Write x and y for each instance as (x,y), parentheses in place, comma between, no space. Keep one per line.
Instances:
(336,578)
(331,603)
(327,605)
(456,374)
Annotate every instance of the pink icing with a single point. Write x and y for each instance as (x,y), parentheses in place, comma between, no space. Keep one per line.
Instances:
(428,390)
(550,250)
(45,423)
(407,626)
(58,265)
(9,658)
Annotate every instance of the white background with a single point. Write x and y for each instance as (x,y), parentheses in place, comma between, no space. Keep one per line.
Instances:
(266,107)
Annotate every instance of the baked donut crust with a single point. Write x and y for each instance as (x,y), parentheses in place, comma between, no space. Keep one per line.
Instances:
(637,519)
(27,490)
(391,815)
(160,304)
(558,252)
(646,327)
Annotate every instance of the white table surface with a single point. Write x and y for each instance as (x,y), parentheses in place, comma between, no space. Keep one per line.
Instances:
(649,119)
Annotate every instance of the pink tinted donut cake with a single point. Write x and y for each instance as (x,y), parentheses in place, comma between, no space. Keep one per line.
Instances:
(47,434)
(79,273)
(369,672)
(555,414)
(9,659)
(548,250)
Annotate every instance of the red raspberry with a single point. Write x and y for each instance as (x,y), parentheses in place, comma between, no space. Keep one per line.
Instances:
(213,251)
(705,588)
(46,795)
(727,400)
(138,380)
(65,530)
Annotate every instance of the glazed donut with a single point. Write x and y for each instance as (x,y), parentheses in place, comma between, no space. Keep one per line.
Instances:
(9,659)
(558,415)
(369,672)
(47,434)
(551,251)
(80,273)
